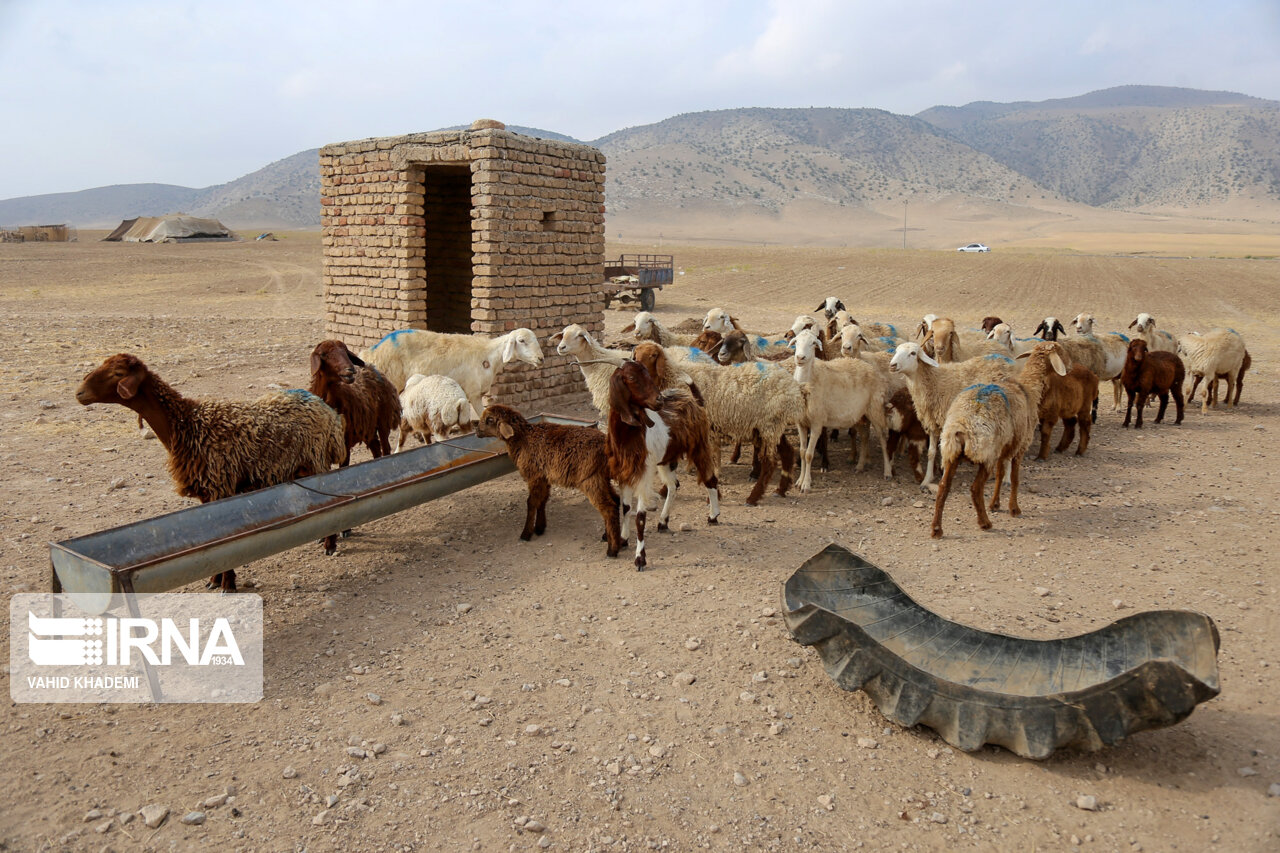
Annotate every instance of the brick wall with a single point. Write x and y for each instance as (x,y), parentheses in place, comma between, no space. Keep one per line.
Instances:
(482,229)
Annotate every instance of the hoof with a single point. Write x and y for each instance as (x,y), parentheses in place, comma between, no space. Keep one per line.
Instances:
(986,526)
(711,520)
(640,564)
(662,525)
(538,531)
(936,534)
(611,552)
(526,536)
(329,552)
(346,534)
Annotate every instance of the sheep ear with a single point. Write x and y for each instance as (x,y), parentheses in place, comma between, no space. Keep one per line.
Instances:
(789,335)
(1058,366)
(509,350)
(819,343)
(1026,354)
(864,340)
(315,363)
(505,430)
(555,339)
(1134,323)
(924,356)
(630,327)
(791,343)
(733,321)
(355,359)
(822,306)
(128,386)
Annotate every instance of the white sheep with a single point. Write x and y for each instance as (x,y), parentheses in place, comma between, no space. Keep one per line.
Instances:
(473,360)
(596,361)
(1002,334)
(433,407)
(926,324)
(1218,352)
(991,424)
(1158,340)
(934,386)
(831,307)
(646,327)
(838,393)
(1115,347)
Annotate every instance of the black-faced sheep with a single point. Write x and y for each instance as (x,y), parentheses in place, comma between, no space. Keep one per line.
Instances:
(546,455)
(219,448)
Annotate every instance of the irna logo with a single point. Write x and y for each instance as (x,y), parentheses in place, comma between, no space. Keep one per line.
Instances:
(62,641)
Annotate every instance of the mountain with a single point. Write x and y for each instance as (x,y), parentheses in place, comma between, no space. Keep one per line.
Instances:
(1131,146)
(1145,148)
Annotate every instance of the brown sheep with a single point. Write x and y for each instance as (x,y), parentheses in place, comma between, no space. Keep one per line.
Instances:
(1148,372)
(989,323)
(219,448)
(549,455)
(1073,399)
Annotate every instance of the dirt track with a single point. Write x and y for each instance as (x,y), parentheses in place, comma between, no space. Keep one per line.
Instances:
(761,750)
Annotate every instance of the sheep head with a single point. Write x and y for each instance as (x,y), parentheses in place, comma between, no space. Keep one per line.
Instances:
(116,380)
(1083,323)
(522,345)
(830,306)
(718,320)
(334,360)
(632,393)
(572,340)
(852,340)
(907,357)
(1137,350)
(803,321)
(498,421)
(1050,328)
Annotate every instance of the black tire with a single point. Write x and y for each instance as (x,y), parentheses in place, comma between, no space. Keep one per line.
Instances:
(1141,672)
(646,299)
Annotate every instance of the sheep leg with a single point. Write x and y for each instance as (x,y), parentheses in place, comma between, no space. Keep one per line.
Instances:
(713,500)
(1141,404)
(1178,403)
(736,454)
(822,451)
(944,487)
(1086,429)
(405,432)
(933,459)
(641,562)
(864,445)
(1128,408)
(627,507)
(809,437)
(1068,433)
(668,476)
(788,462)
(1015,470)
(602,497)
(975,492)
(1116,389)
(999,484)
(1046,433)
(1164,404)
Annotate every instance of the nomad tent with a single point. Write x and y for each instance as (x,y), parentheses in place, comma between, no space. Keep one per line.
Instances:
(175,228)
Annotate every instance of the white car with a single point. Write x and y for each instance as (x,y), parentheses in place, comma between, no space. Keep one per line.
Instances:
(973,247)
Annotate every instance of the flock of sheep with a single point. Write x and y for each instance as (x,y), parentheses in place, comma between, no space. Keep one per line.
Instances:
(946,394)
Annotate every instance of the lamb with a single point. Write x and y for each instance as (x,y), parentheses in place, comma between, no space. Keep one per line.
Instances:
(934,386)
(641,445)
(741,402)
(840,394)
(1158,340)
(904,426)
(646,327)
(1115,347)
(596,362)
(368,403)
(219,448)
(991,425)
(1213,389)
(1071,398)
(1218,352)
(433,406)
(1146,373)
(546,455)
(473,360)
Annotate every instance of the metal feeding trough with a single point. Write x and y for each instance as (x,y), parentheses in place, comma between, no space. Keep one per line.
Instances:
(973,687)
(171,550)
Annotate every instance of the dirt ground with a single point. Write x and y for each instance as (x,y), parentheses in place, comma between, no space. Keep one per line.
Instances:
(528,691)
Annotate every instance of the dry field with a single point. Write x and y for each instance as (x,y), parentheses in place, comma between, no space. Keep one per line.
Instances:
(545,713)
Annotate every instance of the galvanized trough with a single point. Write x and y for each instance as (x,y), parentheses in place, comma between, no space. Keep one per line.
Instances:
(168,551)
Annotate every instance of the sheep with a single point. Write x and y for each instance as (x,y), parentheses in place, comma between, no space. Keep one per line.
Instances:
(830,307)
(718,320)
(838,393)
(1213,389)
(1218,352)
(941,341)
(991,425)
(641,445)
(989,323)
(219,448)
(1115,347)
(596,362)
(926,324)
(1071,398)
(1158,340)
(1146,373)
(1049,329)
(1084,350)
(368,403)
(433,406)
(473,360)
(903,426)
(1003,334)
(741,402)
(707,340)
(821,331)
(934,386)
(739,347)
(546,455)
(646,327)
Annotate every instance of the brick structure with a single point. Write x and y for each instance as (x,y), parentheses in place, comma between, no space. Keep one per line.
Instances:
(479,230)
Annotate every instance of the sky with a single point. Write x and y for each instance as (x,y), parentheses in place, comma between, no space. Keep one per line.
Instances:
(95,93)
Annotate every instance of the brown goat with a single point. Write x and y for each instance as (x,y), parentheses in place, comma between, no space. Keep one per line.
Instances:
(547,455)
(648,434)
(1148,372)
(219,448)
(1073,399)
(368,402)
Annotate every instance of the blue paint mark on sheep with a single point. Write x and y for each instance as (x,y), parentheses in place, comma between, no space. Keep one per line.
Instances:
(696,354)
(391,337)
(995,356)
(893,330)
(1234,332)
(987,392)
(301,393)
(1122,336)
(888,343)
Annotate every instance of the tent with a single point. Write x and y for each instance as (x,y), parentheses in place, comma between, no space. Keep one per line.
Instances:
(169,229)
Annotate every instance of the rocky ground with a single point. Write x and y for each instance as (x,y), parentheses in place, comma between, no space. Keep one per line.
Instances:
(441,685)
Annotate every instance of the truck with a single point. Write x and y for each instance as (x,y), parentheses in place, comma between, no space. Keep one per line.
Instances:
(634,278)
